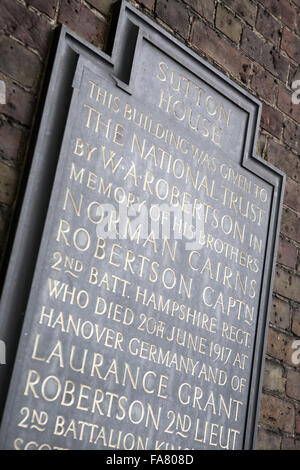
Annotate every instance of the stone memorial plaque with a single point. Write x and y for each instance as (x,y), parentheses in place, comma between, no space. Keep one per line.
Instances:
(144,254)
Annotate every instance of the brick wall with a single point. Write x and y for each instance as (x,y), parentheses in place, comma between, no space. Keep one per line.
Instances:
(257,43)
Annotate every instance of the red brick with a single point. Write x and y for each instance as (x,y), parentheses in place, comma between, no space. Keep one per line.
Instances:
(268,26)
(287,253)
(290,43)
(83,21)
(8,184)
(252,44)
(175,15)
(228,24)
(297,427)
(291,134)
(297,29)
(264,84)
(286,105)
(245,10)
(12,54)
(277,413)
(274,379)
(205,8)
(272,120)
(267,440)
(293,75)
(48,7)
(264,54)
(287,284)
(288,443)
(282,158)
(19,103)
(292,195)
(290,224)
(293,385)
(220,50)
(261,145)
(296,322)
(283,10)
(5,217)
(25,25)
(11,142)
(279,346)
(150,4)
(280,314)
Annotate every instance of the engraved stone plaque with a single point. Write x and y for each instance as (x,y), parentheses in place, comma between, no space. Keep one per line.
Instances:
(143,259)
